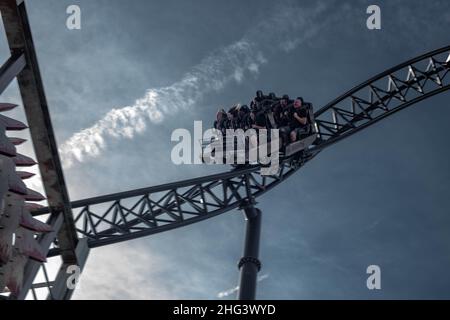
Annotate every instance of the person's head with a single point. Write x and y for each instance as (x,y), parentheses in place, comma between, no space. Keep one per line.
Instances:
(243,110)
(259,94)
(298,102)
(272,96)
(233,111)
(220,114)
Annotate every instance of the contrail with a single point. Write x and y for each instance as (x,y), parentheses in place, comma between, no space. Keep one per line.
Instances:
(231,63)
(226,293)
(212,74)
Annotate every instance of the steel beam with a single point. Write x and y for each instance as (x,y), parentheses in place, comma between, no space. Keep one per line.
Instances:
(249,265)
(59,289)
(12,67)
(20,41)
(23,65)
(32,267)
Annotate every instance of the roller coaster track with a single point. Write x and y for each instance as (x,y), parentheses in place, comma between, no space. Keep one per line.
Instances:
(129,215)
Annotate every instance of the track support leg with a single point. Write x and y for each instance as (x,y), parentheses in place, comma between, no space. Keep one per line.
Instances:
(249,265)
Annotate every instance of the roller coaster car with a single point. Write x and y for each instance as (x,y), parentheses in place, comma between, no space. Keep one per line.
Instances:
(306,139)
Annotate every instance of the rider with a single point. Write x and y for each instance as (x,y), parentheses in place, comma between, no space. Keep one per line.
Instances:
(221,119)
(281,114)
(244,117)
(259,119)
(273,97)
(298,120)
(259,96)
(232,116)
(278,109)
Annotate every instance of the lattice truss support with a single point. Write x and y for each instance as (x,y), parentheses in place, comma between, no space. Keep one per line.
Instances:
(379,97)
(129,215)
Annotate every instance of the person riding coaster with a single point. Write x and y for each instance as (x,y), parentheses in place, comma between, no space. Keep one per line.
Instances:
(220,122)
(299,121)
(303,131)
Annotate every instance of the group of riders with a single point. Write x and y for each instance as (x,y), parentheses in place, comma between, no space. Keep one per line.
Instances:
(289,116)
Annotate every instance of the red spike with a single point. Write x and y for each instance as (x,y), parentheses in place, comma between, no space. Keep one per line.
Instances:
(6,147)
(16,184)
(30,206)
(30,223)
(7,106)
(34,196)
(28,246)
(23,161)
(13,180)
(17,141)
(12,124)
(25,175)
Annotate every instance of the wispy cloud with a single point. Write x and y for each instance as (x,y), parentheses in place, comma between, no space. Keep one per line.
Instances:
(284,31)
(232,291)
(106,280)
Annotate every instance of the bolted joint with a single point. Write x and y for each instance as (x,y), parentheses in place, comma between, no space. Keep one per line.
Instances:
(253,260)
(247,203)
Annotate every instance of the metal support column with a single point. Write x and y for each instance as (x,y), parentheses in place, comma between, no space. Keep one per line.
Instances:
(249,264)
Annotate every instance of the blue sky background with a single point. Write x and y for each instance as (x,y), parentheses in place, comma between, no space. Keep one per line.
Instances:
(380,197)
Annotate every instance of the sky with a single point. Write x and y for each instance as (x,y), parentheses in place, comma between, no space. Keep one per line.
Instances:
(137,70)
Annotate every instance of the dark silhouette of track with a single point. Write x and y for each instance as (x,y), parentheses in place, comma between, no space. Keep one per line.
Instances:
(138,213)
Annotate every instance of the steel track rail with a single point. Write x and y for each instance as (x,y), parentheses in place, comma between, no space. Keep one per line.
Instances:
(133,214)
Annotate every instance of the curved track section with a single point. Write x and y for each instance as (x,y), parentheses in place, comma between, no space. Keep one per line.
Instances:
(129,215)
(383,95)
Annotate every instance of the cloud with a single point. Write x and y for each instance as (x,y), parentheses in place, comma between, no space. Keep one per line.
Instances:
(231,63)
(125,278)
(229,292)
